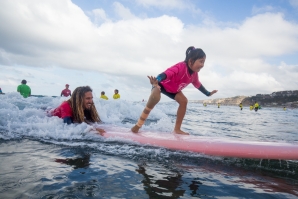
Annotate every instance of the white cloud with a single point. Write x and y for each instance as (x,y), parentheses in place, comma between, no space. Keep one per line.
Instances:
(9,81)
(58,33)
(99,15)
(122,11)
(257,10)
(294,3)
(168,4)
(261,35)
(287,76)
(177,5)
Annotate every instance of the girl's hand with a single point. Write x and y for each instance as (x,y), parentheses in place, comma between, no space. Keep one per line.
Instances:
(214,91)
(154,82)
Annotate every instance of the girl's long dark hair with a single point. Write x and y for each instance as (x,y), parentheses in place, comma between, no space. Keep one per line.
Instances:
(193,54)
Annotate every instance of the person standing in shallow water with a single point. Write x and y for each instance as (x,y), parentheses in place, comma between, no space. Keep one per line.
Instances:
(103,96)
(171,82)
(251,107)
(256,106)
(116,95)
(24,89)
(241,106)
(66,92)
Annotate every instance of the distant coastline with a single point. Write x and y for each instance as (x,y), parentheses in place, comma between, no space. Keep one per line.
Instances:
(275,99)
(35,95)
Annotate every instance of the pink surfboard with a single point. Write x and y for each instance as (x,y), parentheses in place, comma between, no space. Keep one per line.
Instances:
(210,146)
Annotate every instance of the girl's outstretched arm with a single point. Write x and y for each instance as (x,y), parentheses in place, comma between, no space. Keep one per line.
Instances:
(207,93)
(214,91)
(161,77)
(154,82)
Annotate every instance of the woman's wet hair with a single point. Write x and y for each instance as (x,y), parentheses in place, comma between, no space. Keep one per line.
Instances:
(102,92)
(76,103)
(193,54)
(24,81)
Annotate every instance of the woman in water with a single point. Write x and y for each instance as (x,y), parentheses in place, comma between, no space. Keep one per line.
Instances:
(79,108)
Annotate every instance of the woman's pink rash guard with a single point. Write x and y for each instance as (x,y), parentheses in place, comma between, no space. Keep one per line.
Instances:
(178,78)
(64,110)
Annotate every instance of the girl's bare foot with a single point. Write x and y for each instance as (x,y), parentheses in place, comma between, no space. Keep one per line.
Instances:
(135,129)
(180,132)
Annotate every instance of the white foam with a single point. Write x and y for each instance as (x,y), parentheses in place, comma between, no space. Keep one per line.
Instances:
(26,117)
(21,117)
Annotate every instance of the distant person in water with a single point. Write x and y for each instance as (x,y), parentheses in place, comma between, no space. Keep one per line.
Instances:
(24,89)
(256,106)
(103,96)
(79,108)
(218,105)
(66,92)
(171,82)
(241,106)
(0,91)
(116,95)
(251,107)
(285,108)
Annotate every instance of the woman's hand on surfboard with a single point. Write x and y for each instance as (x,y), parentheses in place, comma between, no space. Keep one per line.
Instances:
(214,91)
(100,131)
(154,81)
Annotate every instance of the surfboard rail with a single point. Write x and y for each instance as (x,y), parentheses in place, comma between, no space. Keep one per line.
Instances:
(212,146)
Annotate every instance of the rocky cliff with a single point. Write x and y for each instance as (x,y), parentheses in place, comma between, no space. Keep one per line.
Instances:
(227,101)
(280,98)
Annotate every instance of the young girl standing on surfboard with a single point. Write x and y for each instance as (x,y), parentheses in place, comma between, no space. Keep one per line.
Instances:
(171,82)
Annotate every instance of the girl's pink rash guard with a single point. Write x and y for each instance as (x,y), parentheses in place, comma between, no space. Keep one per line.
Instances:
(178,78)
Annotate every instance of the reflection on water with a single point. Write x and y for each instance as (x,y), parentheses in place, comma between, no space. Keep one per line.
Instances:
(167,187)
(40,157)
(167,184)
(31,169)
(76,162)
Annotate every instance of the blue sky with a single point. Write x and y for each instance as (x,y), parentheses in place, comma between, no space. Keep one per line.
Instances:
(251,45)
(227,11)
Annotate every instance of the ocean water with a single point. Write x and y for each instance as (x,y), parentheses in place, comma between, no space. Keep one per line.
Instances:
(43,158)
